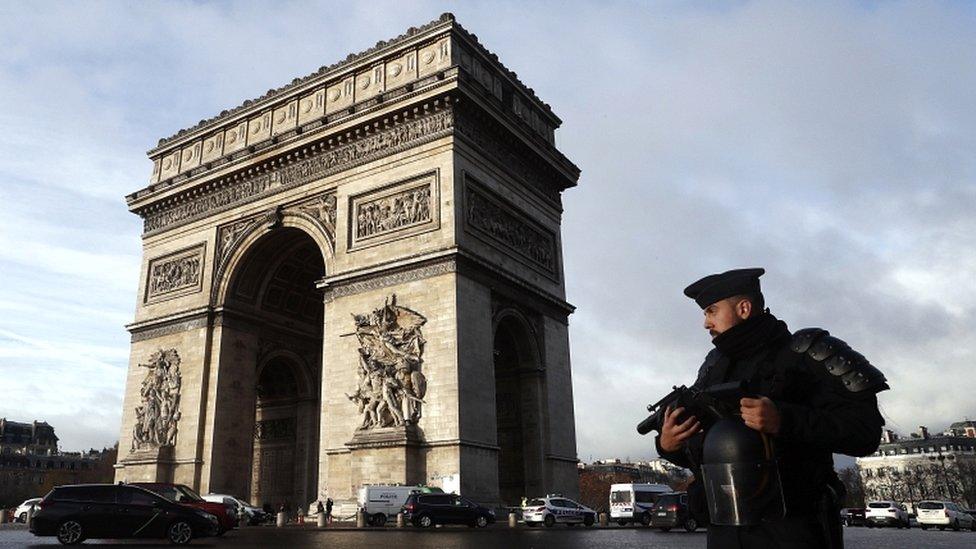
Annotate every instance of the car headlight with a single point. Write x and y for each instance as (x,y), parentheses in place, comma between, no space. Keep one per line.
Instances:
(491,512)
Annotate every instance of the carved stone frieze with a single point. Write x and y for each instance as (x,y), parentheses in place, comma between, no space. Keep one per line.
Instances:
(403,209)
(391,384)
(398,210)
(169,328)
(228,236)
(159,413)
(392,279)
(175,274)
(322,209)
(510,153)
(369,145)
(488,217)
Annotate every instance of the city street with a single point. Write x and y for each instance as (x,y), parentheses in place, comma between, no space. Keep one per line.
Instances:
(497,536)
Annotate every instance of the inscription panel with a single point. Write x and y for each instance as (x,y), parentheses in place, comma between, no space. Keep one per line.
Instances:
(501,224)
(396,211)
(176,274)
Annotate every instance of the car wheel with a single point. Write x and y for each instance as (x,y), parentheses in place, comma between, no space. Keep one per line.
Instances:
(179,533)
(646,519)
(424,521)
(588,521)
(379,519)
(622,522)
(481,521)
(924,526)
(549,521)
(665,528)
(955,526)
(691,524)
(22,517)
(70,532)
(221,531)
(941,528)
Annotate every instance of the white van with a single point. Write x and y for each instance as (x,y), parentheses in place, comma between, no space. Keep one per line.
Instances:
(380,502)
(633,502)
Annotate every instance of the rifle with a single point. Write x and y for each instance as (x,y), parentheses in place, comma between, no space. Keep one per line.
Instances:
(708,404)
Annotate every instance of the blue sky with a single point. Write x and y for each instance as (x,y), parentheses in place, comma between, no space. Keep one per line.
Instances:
(830,142)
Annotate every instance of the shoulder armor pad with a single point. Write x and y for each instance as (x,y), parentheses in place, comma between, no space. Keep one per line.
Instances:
(803,339)
(838,359)
(826,347)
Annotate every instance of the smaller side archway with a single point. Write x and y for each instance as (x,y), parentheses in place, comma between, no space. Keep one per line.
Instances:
(519,412)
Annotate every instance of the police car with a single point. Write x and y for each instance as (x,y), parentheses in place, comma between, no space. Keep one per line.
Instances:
(554,508)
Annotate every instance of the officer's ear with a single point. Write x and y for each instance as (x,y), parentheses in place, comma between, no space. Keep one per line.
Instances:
(743,307)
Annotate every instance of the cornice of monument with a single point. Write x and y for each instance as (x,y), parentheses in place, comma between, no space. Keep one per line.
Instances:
(381,50)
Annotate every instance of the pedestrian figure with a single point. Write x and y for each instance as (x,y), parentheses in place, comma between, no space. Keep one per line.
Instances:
(301,515)
(328,510)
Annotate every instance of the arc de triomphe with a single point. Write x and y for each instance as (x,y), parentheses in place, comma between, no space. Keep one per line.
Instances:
(357,279)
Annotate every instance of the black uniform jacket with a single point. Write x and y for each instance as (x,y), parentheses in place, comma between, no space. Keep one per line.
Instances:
(820,414)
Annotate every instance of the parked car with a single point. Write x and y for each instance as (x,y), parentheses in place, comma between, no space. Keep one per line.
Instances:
(117,511)
(942,515)
(234,505)
(184,495)
(886,513)
(853,516)
(255,515)
(20,514)
(426,510)
(671,511)
(972,513)
(551,510)
(634,502)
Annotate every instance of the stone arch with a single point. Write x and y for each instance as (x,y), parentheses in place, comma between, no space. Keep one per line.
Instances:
(520,422)
(269,316)
(250,232)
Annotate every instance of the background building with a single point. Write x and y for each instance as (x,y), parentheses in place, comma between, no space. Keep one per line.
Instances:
(31,464)
(923,466)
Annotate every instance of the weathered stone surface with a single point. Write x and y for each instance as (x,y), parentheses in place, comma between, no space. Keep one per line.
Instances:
(275,237)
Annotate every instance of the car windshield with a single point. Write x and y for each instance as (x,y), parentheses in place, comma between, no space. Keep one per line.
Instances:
(535,503)
(188,493)
(931,505)
(620,497)
(879,505)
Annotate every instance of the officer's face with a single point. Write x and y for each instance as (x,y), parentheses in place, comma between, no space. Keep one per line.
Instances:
(724,314)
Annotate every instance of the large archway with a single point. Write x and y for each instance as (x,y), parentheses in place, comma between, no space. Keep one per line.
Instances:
(277,315)
(518,412)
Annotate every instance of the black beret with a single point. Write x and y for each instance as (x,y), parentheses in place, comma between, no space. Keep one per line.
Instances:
(716,287)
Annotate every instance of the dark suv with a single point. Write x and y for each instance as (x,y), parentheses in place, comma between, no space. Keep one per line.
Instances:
(671,511)
(426,510)
(101,511)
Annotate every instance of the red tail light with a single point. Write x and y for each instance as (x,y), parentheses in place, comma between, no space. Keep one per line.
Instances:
(409,507)
(45,503)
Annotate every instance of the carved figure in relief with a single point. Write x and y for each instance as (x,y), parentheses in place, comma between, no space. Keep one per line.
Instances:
(158,414)
(393,212)
(391,384)
(175,274)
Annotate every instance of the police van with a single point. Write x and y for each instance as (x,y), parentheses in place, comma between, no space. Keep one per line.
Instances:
(380,502)
(633,502)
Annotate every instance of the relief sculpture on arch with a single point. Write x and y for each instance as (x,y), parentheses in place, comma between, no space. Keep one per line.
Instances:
(391,384)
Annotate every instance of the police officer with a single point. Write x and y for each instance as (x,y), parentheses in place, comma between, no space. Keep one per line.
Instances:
(811,395)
